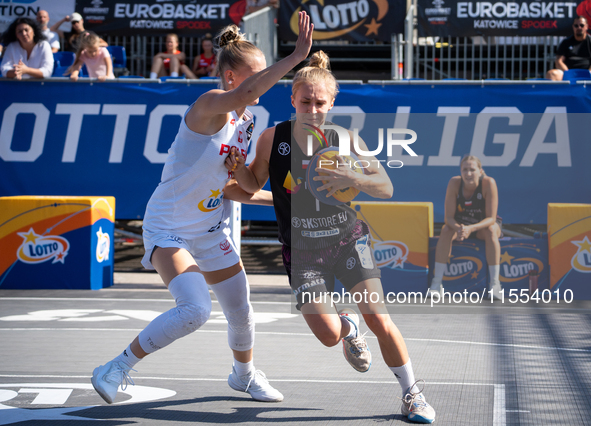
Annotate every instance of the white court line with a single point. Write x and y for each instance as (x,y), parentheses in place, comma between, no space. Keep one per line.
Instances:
(100,299)
(275,333)
(499,408)
(204,379)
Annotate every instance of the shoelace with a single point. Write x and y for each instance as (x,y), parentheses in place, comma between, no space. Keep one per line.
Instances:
(256,373)
(415,397)
(359,344)
(122,375)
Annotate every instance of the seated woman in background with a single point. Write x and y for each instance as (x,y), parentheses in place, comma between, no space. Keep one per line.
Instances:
(172,62)
(471,204)
(204,64)
(27,53)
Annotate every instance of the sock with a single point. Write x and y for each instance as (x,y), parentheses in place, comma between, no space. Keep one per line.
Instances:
(243,368)
(405,377)
(494,270)
(128,357)
(438,272)
(353,332)
(153,75)
(174,74)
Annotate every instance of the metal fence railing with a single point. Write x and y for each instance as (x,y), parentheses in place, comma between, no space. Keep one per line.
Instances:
(471,58)
(478,58)
(260,28)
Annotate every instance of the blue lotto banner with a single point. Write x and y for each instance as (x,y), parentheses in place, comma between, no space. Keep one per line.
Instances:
(60,138)
(468,269)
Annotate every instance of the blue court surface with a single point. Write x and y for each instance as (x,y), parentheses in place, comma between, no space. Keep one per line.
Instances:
(515,367)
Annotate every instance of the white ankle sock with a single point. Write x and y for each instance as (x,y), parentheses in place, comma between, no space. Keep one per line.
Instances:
(438,272)
(243,368)
(174,74)
(153,75)
(405,376)
(494,270)
(128,357)
(353,332)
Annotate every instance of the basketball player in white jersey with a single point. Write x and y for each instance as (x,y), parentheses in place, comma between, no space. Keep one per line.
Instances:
(184,220)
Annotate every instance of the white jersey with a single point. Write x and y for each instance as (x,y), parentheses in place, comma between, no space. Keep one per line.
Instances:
(189,198)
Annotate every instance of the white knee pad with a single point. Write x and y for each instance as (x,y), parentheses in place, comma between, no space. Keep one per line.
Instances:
(193,307)
(233,295)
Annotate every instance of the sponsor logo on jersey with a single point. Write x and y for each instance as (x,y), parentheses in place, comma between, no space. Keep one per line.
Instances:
(212,202)
(284,148)
(291,185)
(390,254)
(103,246)
(581,261)
(37,248)
(225,149)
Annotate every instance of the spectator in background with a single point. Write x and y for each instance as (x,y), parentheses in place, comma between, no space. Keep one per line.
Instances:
(471,204)
(172,62)
(96,58)
(204,64)
(255,5)
(574,52)
(52,38)
(27,53)
(71,38)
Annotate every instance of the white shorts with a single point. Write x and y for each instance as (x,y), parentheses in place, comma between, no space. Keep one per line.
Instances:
(220,255)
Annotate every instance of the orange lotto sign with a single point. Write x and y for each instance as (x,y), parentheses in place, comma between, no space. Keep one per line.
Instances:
(569,240)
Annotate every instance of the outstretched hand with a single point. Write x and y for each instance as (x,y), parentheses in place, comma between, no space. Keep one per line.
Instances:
(304,41)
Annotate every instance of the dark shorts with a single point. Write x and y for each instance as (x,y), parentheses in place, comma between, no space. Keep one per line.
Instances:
(313,272)
(499,222)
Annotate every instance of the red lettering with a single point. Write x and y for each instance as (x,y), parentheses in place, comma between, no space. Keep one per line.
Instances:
(539,24)
(225,149)
(233,121)
(194,25)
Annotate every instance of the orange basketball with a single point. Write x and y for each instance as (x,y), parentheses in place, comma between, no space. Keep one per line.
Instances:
(326,158)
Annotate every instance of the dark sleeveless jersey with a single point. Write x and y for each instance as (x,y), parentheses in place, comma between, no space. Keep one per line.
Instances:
(472,210)
(304,222)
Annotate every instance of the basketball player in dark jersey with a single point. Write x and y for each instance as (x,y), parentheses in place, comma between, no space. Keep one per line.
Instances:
(321,241)
(471,203)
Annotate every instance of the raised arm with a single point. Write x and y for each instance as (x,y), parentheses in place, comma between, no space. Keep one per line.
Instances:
(217,102)
(55,27)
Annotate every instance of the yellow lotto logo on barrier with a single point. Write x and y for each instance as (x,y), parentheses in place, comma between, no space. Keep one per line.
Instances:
(400,240)
(56,242)
(569,241)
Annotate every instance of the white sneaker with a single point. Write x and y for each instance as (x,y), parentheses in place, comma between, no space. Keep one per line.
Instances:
(496,290)
(436,287)
(256,384)
(355,348)
(416,408)
(107,378)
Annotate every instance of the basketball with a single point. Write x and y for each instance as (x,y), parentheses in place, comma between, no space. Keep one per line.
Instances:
(327,158)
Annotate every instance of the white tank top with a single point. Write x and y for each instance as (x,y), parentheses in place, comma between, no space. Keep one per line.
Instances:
(189,198)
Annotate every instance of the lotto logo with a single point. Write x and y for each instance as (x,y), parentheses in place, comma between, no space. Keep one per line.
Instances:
(225,245)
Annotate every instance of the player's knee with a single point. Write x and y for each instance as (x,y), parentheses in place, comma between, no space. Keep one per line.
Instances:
(380,325)
(327,337)
(446,232)
(241,321)
(193,305)
(187,319)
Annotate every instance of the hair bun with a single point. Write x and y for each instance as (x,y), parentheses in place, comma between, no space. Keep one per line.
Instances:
(230,34)
(319,60)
